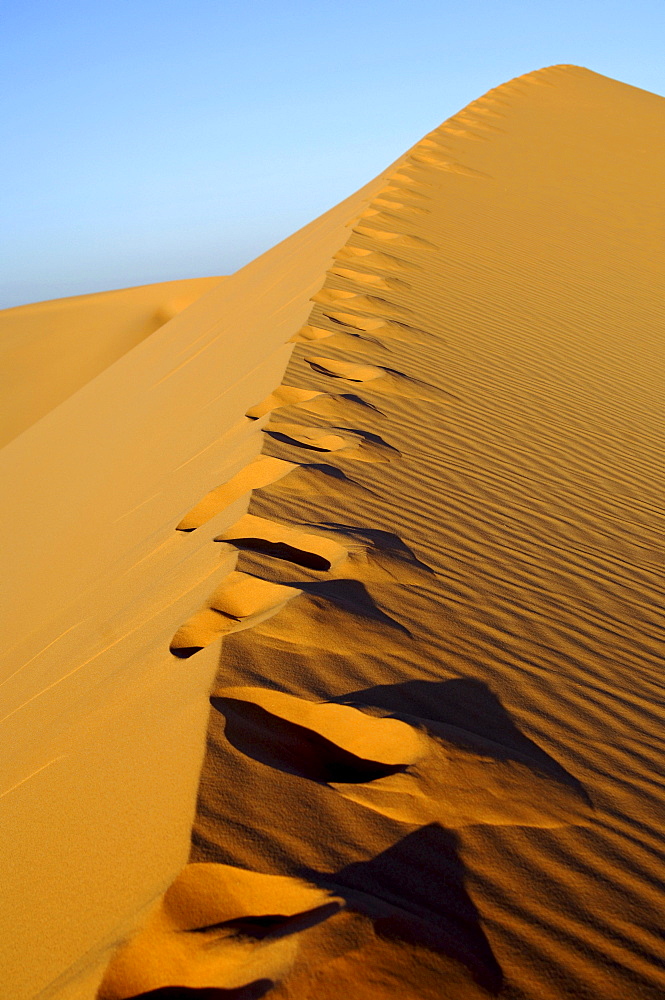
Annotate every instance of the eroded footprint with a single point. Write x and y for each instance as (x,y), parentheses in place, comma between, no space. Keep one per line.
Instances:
(286,542)
(378,556)
(410,175)
(357,300)
(386,284)
(442,162)
(321,481)
(392,330)
(240,602)
(393,238)
(348,370)
(283,395)
(219,927)
(378,379)
(411,770)
(401,205)
(379,214)
(309,333)
(356,447)
(260,472)
(404,186)
(345,339)
(323,742)
(341,551)
(373,258)
(343,407)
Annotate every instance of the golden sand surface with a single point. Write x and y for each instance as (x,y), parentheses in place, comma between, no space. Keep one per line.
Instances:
(407,467)
(48,350)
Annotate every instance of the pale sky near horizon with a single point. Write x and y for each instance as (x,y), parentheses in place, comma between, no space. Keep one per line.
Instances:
(148,140)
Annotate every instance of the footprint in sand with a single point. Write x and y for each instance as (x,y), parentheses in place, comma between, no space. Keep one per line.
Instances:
(341,551)
(286,542)
(441,161)
(394,239)
(374,258)
(401,205)
(219,928)
(392,330)
(261,472)
(345,369)
(347,340)
(240,602)
(283,395)
(415,771)
(354,446)
(404,186)
(371,280)
(378,379)
(354,300)
(342,407)
(411,175)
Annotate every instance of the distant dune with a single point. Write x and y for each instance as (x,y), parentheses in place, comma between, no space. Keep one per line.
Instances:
(51,349)
(408,467)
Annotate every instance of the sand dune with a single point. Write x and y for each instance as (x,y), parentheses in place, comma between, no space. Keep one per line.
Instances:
(51,349)
(407,467)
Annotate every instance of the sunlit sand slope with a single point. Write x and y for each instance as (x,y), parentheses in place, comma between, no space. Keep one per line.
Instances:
(439,694)
(48,350)
(102,728)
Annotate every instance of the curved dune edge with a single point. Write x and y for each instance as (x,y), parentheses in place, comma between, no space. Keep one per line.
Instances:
(219,926)
(50,349)
(344,618)
(103,582)
(402,733)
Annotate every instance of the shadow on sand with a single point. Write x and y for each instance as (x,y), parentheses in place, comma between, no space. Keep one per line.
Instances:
(469,705)
(252,991)
(415,892)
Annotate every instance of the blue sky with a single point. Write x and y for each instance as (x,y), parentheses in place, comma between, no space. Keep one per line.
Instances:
(146,140)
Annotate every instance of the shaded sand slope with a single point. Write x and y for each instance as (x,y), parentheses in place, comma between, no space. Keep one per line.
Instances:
(439,699)
(102,728)
(48,350)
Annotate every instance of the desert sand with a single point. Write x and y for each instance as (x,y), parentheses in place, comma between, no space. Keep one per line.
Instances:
(334,592)
(50,349)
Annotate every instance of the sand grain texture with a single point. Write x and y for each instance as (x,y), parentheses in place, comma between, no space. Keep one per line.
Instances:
(408,468)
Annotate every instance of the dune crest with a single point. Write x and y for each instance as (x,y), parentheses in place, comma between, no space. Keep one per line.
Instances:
(406,467)
(349,623)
